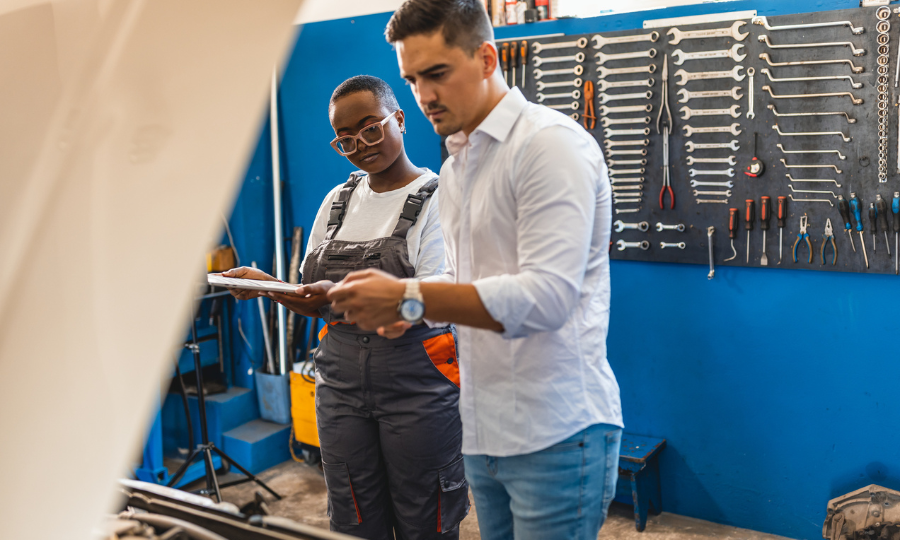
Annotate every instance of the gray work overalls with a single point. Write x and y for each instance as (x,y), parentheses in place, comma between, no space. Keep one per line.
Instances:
(386,409)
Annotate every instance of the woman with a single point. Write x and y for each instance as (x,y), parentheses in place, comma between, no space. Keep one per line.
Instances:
(387,409)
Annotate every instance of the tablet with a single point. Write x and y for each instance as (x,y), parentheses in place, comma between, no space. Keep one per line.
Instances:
(250,284)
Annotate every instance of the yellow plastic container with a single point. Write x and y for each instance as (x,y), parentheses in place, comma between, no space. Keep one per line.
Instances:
(303,408)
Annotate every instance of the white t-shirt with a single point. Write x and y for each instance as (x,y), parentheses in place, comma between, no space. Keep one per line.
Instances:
(372,215)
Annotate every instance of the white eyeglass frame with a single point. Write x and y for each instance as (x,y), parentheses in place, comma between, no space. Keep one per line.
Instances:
(358,136)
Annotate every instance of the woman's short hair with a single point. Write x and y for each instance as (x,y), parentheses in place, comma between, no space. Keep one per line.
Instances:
(367,83)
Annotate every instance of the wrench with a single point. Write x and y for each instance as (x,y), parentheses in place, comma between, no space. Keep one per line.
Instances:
(574,94)
(791,197)
(628,200)
(620,190)
(604,71)
(660,227)
(765,24)
(618,132)
(605,98)
(702,75)
(620,181)
(681,56)
(600,41)
(627,210)
(603,86)
(841,156)
(691,146)
(623,245)
(687,112)
(712,270)
(730,160)
(853,68)
(786,166)
(729,184)
(538,47)
(617,162)
(751,114)
(604,110)
(687,95)
(573,106)
(854,99)
(711,201)
(679,245)
(577,71)
(734,129)
(538,61)
(695,172)
(812,191)
(619,172)
(848,78)
(803,133)
(541,85)
(621,226)
(817,180)
(606,122)
(611,152)
(771,107)
(630,142)
(726,193)
(856,52)
(603,58)
(732,31)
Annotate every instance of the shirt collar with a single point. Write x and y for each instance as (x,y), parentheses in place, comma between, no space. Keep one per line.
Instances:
(497,124)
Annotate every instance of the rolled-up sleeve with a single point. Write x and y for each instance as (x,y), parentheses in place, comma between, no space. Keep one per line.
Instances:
(556,183)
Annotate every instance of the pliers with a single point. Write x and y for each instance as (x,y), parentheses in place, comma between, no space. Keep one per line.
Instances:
(666,129)
(804,221)
(829,237)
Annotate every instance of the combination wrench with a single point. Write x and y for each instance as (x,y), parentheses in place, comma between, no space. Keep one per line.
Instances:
(727,172)
(630,142)
(690,146)
(565,106)
(577,71)
(538,47)
(854,99)
(606,98)
(603,58)
(617,162)
(733,31)
(687,112)
(538,61)
(686,95)
(730,160)
(623,245)
(734,129)
(620,132)
(610,152)
(856,52)
(604,110)
(574,94)
(606,122)
(541,85)
(603,86)
(661,227)
(703,75)
(733,53)
(600,41)
(620,226)
(679,245)
(603,71)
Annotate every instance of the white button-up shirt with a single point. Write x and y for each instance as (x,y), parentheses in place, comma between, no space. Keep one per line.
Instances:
(525,209)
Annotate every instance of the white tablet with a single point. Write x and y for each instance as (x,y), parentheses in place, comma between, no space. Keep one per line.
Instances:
(250,284)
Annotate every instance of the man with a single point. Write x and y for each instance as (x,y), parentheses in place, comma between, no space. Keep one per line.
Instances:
(525,210)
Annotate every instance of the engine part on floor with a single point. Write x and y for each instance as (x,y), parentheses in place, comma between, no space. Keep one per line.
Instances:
(869,512)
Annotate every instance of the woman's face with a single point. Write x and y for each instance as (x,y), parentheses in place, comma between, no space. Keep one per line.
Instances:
(352,113)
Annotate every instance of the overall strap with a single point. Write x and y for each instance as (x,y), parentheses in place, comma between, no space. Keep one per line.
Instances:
(412,207)
(340,204)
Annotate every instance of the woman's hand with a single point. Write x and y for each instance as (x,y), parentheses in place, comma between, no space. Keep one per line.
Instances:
(307,300)
(245,272)
(393,331)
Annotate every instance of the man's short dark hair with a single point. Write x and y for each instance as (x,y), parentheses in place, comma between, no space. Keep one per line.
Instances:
(367,83)
(464,23)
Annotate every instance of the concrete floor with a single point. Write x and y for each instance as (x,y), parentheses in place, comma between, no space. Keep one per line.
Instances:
(303,490)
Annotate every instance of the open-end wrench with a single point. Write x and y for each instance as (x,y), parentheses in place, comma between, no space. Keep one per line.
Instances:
(604,110)
(690,146)
(771,107)
(848,78)
(814,180)
(620,132)
(696,172)
(574,94)
(630,142)
(712,269)
(603,86)
(538,47)
(565,106)
(600,41)
(856,52)
(603,71)
(679,245)
(686,95)
(816,133)
(541,85)
(606,122)
(853,68)
(786,166)
(854,99)
(577,71)
(703,75)
(733,31)
(617,162)
(622,172)
(660,227)
(603,58)
(733,53)
(727,184)
(610,152)
(687,112)
(751,113)
(621,226)
(734,129)
(606,98)
(840,156)
(765,24)
(726,193)
(623,245)
(730,160)
(538,61)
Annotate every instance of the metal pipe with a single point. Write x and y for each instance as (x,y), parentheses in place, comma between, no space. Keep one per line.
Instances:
(279,228)
(265,329)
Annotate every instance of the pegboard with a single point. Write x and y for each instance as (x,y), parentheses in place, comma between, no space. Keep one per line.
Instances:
(858,171)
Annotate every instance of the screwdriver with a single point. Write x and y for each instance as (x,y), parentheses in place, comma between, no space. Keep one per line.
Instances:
(855,206)
(749,216)
(844,208)
(523,55)
(782,214)
(504,57)
(513,60)
(881,206)
(733,218)
(765,212)
(873,221)
(895,207)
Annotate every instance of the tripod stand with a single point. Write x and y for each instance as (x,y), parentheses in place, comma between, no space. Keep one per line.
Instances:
(206,448)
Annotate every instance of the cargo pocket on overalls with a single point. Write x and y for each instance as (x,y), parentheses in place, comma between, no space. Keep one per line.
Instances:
(453,497)
(342,507)
(442,352)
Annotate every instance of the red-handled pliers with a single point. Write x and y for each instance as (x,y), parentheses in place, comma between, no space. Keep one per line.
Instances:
(666,129)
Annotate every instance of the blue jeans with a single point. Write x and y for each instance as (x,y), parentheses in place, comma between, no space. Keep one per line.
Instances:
(560,493)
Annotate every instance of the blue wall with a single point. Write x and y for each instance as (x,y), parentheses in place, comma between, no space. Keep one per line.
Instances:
(775,389)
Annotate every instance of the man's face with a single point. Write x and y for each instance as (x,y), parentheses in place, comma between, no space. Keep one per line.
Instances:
(449,84)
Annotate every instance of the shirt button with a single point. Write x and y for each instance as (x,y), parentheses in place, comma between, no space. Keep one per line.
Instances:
(365,339)
(449,360)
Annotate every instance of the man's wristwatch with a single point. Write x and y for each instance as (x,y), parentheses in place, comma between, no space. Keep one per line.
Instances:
(412,305)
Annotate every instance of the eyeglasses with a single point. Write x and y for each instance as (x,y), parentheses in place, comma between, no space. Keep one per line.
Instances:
(372,134)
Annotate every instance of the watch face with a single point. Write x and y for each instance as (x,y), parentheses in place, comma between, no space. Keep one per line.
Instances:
(411,310)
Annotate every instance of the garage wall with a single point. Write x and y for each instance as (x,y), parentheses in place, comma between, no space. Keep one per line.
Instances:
(776,390)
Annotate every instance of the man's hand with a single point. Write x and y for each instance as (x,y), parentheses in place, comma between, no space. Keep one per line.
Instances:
(245,272)
(307,300)
(369,298)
